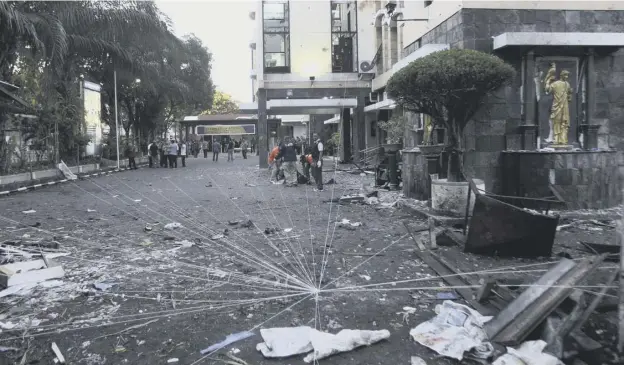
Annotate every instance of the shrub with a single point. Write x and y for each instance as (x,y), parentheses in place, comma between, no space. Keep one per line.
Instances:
(449,86)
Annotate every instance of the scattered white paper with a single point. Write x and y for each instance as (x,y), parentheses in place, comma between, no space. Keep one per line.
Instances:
(529,353)
(30,211)
(288,230)
(455,330)
(174,225)
(417,361)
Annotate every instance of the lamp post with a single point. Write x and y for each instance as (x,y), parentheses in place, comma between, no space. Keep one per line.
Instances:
(116,117)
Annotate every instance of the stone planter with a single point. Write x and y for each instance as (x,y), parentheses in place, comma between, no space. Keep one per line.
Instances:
(451,197)
(392,147)
(431,150)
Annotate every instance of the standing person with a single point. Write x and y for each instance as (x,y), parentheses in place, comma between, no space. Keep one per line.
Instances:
(274,164)
(183,153)
(244,147)
(131,154)
(216,148)
(163,154)
(204,146)
(173,154)
(317,162)
(153,154)
(230,150)
(288,154)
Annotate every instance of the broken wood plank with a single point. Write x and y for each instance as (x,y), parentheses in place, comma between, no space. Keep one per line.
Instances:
(453,279)
(485,290)
(417,242)
(508,314)
(57,353)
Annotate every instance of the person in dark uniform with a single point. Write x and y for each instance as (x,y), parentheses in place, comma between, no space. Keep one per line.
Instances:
(317,162)
(153,154)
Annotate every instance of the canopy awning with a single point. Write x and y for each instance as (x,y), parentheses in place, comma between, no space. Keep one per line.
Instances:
(386,104)
(578,39)
(334,120)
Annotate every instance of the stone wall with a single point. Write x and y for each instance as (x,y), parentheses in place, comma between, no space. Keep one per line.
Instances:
(586,180)
(496,127)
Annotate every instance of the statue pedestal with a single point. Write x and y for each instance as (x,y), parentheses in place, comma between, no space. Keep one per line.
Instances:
(590,136)
(562,147)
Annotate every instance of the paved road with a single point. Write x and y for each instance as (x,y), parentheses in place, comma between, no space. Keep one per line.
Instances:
(169,293)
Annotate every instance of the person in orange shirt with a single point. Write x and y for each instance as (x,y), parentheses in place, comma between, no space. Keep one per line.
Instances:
(274,164)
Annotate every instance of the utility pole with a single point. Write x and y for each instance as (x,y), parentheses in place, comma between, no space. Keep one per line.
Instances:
(116,116)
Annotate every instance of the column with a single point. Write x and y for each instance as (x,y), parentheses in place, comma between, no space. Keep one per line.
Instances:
(345,135)
(263,130)
(359,129)
(530,126)
(589,129)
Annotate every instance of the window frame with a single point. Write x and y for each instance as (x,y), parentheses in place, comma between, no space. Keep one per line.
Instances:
(285,33)
(353,34)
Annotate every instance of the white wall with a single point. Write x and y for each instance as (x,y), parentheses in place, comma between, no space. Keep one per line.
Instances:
(300,131)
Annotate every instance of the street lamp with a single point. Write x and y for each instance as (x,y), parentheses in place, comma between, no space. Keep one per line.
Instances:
(116,117)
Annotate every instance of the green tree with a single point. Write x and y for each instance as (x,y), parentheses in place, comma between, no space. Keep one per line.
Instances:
(450,86)
(222,103)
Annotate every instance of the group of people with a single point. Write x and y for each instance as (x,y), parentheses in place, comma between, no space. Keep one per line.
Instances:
(283,162)
(167,154)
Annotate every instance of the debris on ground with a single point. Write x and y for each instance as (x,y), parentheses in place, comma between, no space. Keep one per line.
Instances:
(455,329)
(28,272)
(103,286)
(271,230)
(172,226)
(417,361)
(30,211)
(217,237)
(347,224)
(230,339)
(148,228)
(247,224)
(233,223)
(57,353)
(529,353)
(290,341)
(173,360)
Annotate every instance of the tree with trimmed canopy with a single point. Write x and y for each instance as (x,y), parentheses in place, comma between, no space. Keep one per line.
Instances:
(450,87)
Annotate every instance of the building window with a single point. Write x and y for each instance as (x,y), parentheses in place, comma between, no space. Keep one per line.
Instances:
(276,30)
(344,36)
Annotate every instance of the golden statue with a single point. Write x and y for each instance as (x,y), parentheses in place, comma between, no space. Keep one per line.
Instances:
(428,128)
(560,110)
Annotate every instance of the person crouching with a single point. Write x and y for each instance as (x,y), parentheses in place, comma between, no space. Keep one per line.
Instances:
(288,154)
(274,164)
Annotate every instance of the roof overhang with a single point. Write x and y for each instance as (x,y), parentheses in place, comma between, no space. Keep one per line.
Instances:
(301,106)
(381,80)
(570,39)
(334,120)
(382,105)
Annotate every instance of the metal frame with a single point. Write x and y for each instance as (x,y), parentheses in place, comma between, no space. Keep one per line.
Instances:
(281,69)
(354,33)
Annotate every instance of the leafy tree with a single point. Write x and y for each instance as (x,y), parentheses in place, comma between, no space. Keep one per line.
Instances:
(222,103)
(450,86)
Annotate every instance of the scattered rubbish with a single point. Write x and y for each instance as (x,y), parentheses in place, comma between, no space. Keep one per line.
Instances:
(120,349)
(173,360)
(334,325)
(226,231)
(28,272)
(406,313)
(31,211)
(529,353)
(148,228)
(7,349)
(230,339)
(233,223)
(330,182)
(287,230)
(365,277)
(127,329)
(172,226)
(235,350)
(91,210)
(217,237)
(455,330)
(250,185)
(347,224)
(57,353)
(290,341)
(446,296)
(137,200)
(247,224)
(417,361)
(271,230)
(103,286)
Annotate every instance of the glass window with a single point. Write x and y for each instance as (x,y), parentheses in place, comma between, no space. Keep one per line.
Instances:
(275,60)
(274,43)
(344,36)
(274,11)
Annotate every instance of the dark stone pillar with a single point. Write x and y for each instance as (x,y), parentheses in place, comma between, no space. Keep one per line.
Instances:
(359,129)
(263,130)
(345,135)
(590,136)
(530,126)
(590,96)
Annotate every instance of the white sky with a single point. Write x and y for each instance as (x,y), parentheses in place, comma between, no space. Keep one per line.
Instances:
(225,28)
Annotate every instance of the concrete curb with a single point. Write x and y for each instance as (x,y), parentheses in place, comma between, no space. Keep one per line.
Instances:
(80,177)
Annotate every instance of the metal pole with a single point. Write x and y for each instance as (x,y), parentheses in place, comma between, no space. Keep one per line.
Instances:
(620,240)
(116,117)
